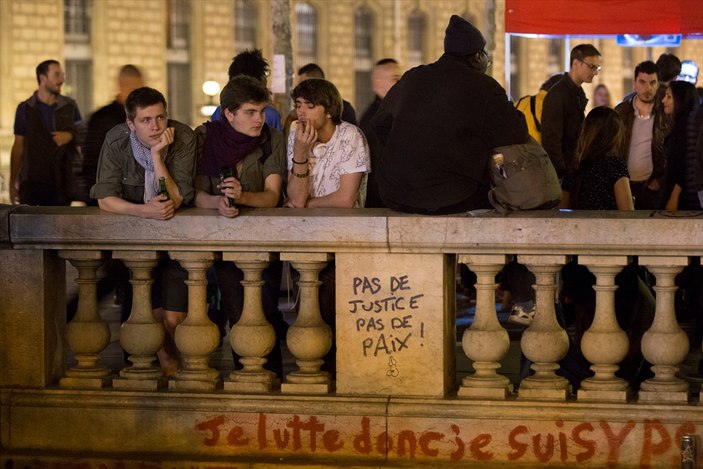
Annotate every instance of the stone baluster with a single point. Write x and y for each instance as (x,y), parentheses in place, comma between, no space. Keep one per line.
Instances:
(197,336)
(544,342)
(253,337)
(141,336)
(665,345)
(486,342)
(309,339)
(604,344)
(87,334)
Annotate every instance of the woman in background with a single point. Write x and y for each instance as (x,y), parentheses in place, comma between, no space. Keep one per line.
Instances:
(601,180)
(680,102)
(601,96)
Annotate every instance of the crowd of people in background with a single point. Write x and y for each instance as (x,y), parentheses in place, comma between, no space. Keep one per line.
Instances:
(422,146)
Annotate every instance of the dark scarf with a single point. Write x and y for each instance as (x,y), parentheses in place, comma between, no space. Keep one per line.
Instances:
(224,147)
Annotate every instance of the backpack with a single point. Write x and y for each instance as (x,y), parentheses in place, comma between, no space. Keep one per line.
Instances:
(523,178)
(531,107)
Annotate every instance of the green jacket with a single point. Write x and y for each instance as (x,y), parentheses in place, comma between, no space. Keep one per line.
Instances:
(121,176)
(254,169)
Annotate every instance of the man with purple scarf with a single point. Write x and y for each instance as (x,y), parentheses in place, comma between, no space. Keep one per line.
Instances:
(242,143)
(134,156)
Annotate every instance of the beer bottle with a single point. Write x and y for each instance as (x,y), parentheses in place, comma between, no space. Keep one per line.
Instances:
(162,187)
(226,172)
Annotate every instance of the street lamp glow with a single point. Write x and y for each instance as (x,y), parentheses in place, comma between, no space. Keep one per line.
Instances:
(211,88)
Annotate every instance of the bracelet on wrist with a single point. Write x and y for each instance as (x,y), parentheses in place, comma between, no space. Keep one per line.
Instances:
(301,175)
(300,162)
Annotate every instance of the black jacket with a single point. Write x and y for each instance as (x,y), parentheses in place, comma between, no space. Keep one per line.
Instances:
(562,115)
(660,130)
(43,161)
(438,125)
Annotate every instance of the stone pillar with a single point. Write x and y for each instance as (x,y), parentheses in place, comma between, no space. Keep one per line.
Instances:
(604,344)
(486,342)
(665,344)
(196,337)
(309,339)
(253,337)
(141,336)
(544,342)
(32,317)
(396,328)
(87,334)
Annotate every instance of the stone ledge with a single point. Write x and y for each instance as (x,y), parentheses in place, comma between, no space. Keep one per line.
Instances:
(363,230)
(337,430)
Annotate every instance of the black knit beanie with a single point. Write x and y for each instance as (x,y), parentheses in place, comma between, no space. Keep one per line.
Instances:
(462,38)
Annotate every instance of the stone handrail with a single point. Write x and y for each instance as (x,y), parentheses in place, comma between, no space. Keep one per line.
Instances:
(396,267)
(367,230)
(375,247)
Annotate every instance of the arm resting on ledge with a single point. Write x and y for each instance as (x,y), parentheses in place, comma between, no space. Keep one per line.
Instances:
(158,208)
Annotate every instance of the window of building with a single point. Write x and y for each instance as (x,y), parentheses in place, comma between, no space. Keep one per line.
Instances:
(628,68)
(363,61)
(416,38)
(76,15)
(179,92)
(555,58)
(306,19)
(178,24)
(245,22)
(78,53)
(180,102)
(515,91)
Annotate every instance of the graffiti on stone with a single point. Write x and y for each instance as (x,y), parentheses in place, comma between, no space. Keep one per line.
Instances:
(648,444)
(385,316)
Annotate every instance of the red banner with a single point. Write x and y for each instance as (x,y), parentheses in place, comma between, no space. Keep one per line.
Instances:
(604,17)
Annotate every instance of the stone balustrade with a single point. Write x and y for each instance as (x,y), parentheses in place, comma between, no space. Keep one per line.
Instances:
(395,335)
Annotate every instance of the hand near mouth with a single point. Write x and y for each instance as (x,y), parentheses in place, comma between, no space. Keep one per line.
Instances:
(165,140)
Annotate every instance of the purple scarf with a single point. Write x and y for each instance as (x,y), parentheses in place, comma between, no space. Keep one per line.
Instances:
(224,146)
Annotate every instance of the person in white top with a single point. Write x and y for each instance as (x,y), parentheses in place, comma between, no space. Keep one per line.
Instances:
(328,159)
(327,165)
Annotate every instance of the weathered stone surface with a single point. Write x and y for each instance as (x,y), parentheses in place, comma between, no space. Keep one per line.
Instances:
(202,230)
(32,317)
(276,428)
(359,431)
(5,211)
(393,325)
(579,232)
(371,230)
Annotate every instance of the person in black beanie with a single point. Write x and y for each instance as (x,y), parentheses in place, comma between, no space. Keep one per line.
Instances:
(437,126)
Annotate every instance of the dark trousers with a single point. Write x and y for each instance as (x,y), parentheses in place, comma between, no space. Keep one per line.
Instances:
(33,193)
(646,199)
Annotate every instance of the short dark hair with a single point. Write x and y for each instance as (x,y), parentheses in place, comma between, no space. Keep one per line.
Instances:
(582,51)
(647,67)
(551,81)
(250,63)
(241,90)
(130,70)
(321,92)
(669,67)
(43,68)
(386,61)
(312,71)
(141,98)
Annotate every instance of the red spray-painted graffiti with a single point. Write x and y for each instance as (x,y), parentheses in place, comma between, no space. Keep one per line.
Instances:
(646,443)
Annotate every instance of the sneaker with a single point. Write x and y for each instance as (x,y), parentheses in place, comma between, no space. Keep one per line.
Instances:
(520,315)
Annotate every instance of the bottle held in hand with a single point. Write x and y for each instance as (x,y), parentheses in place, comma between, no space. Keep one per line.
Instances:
(226,172)
(162,187)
